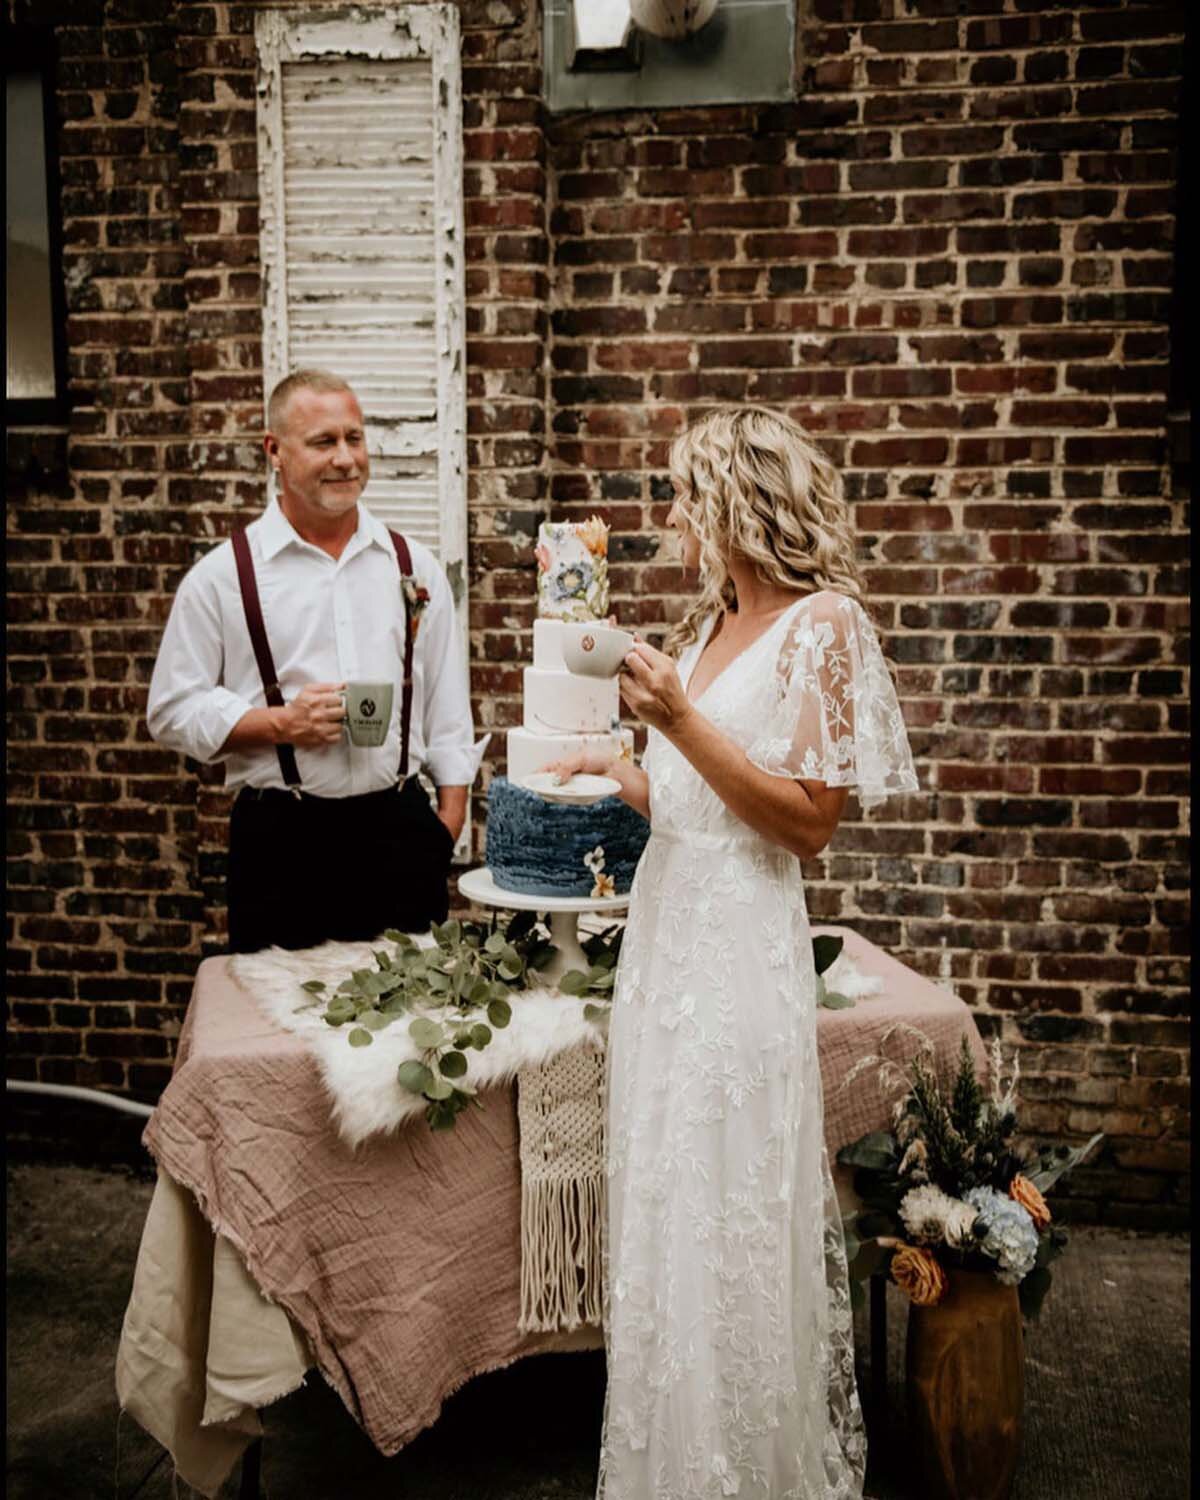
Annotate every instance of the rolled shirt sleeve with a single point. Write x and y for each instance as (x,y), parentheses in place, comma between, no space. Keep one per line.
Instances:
(189,710)
(451,758)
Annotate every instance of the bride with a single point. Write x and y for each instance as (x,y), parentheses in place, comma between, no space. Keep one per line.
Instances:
(727,1310)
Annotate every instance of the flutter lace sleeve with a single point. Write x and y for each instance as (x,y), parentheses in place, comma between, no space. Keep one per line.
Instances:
(832,714)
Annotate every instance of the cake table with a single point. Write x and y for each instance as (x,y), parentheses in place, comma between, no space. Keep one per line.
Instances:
(563,913)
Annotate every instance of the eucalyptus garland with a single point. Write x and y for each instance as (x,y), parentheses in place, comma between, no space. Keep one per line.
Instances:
(455,995)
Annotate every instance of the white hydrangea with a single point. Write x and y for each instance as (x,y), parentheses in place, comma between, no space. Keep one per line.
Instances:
(1011,1237)
(933,1217)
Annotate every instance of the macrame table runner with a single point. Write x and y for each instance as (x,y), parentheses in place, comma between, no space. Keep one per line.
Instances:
(556,1057)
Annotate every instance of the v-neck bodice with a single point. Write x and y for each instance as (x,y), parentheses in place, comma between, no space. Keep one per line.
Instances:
(696,650)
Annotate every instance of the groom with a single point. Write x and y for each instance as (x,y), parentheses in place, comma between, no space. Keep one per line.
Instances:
(326,839)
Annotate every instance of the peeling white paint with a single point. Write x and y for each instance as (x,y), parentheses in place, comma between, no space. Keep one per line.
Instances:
(360,178)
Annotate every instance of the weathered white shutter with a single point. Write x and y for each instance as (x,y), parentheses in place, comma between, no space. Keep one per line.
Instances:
(360,172)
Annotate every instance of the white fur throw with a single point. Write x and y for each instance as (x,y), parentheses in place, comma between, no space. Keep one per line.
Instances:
(361,1081)
(844,977)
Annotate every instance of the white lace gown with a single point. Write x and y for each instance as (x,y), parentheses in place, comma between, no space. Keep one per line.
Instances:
(727,1308)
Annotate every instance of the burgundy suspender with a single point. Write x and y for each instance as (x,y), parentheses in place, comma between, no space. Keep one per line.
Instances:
(404,558)
(266,665)
(262,651)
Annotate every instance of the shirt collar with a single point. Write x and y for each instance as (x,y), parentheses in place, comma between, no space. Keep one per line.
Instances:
(275,531)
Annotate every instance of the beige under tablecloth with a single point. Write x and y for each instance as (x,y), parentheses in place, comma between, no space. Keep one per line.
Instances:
(397,1266)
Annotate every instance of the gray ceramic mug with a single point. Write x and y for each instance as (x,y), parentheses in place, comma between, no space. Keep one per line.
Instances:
(368,712)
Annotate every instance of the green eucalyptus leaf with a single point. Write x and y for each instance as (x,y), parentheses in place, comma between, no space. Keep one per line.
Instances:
(597,1014)
(496,943)
(426,1033)
(573,982)
(877,1150)
(452,1065)
(438,1088)
(314,986)
(360,1037)
(825,949)
(480,992)
(834,1001)
(376,1020)
(481,1035)
(414,1076)
(499,1013)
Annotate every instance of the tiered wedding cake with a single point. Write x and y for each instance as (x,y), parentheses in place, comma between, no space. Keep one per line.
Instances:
(543,848)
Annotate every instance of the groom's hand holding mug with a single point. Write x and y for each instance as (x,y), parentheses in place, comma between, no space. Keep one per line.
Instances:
(313,718)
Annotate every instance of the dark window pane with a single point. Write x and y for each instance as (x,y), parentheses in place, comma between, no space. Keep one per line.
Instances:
(31,374)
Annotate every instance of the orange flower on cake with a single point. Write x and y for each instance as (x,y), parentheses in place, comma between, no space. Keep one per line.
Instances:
(1022,1191)
(918,1275)
(593,533)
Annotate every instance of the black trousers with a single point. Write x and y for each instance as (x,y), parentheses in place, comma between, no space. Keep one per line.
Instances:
(305,869)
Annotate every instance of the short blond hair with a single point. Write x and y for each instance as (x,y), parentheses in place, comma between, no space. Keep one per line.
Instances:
(301,380)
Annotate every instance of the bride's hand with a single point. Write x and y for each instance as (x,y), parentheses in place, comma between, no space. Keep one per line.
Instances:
(587,762)
(651,687)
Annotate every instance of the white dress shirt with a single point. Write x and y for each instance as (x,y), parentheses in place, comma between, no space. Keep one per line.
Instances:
(327,620)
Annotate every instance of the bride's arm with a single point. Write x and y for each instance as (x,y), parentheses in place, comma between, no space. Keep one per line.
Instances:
(798,815)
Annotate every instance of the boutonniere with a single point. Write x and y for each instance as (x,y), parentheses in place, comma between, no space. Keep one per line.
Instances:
(416,598)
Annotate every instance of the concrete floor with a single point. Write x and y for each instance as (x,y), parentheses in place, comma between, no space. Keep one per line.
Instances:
(1106,1383)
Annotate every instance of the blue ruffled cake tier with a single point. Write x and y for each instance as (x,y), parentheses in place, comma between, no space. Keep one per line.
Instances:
(538,847)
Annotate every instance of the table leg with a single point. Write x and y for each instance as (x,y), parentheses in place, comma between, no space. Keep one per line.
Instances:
(878,1306)
(248,1489)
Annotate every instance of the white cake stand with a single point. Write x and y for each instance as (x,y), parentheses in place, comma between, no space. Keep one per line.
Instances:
(563,912)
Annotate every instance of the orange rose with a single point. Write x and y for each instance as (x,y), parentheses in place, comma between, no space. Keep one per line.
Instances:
(1022,1191)
(918,1275)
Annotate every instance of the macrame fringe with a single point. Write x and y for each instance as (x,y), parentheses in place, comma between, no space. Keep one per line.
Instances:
(560,1114)
(561,1270)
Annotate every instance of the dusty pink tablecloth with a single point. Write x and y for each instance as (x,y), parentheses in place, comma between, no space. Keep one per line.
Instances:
(400,1262)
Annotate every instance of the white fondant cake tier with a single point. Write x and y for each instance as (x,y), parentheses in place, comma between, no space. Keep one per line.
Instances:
(529,752)
(562,703)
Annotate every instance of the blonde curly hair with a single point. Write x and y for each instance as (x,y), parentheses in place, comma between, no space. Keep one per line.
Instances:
(751,482)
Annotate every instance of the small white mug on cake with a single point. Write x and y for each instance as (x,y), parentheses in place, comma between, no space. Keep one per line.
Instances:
(593,649)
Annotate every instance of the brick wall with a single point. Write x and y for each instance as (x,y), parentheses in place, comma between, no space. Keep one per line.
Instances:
(951,258)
